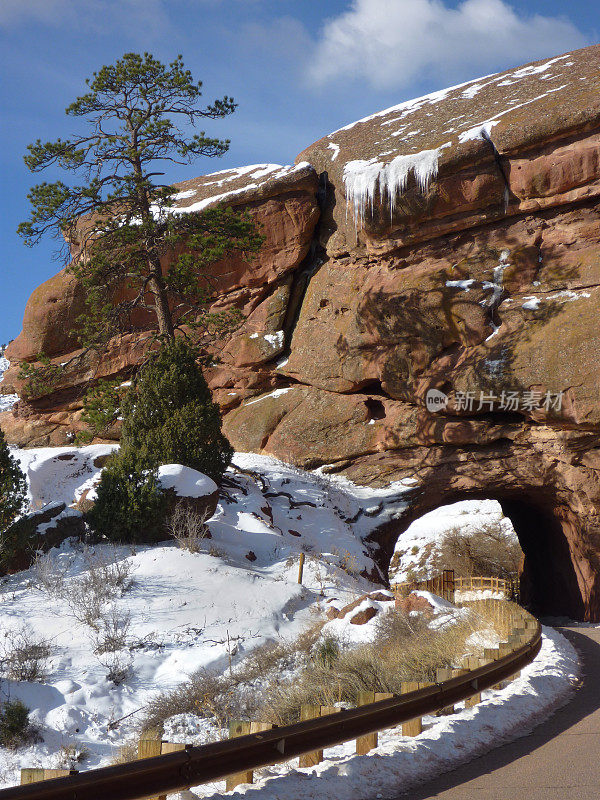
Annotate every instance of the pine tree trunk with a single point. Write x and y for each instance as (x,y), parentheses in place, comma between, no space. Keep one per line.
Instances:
(156,284)
(161,304)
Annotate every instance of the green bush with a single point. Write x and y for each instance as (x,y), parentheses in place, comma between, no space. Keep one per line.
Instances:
(13,487)
(169,416)
(130,506)
(15,728)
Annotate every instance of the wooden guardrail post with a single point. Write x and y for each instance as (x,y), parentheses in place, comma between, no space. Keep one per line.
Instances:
(242,728)
(37,774)
(316,756)
(301,567)
(413,727)
(153,745)
(444,674)
(238,728)
(492,654)
(170,747)
(470,663)
(312,712)
(366,743)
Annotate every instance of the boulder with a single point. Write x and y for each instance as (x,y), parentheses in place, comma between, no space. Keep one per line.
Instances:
(413,602)
(187,486)
(363,616)
(39,531)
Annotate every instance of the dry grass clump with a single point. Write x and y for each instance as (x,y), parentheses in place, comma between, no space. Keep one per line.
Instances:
(493,615)
(188,527)
(24,655)
(404,649)
(126,753)
(489,552)
(233,695)
(325,670)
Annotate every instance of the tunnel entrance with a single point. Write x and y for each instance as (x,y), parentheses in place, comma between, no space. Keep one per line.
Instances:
(548,581)
(547,575)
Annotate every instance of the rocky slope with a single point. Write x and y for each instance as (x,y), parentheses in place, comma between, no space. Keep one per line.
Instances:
(458,250)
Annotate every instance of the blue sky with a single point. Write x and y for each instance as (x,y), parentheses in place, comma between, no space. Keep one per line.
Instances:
(297,69)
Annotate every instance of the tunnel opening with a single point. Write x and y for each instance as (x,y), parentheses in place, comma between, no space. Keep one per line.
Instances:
(548,580)
(547,573)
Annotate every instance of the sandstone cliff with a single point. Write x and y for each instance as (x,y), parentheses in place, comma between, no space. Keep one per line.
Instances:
(457,249)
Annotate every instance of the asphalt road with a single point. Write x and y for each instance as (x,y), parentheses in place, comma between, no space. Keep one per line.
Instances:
(559,760)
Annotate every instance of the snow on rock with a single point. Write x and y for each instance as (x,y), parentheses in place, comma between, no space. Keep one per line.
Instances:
(436,602)
(532,303)
(274,393)
(7,401)
(481,131)
(336,150)
(252,177)
(464,285)
(185,481)
(61,474)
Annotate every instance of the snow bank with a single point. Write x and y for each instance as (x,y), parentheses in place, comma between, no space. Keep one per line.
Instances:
(417,548)
(401,763)
(186,609)
(61,474)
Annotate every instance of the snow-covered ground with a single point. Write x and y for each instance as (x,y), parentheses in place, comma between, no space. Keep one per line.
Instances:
(400,763)
(417,549)
(185,611)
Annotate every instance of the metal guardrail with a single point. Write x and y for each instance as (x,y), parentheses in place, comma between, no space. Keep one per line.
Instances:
(195,765)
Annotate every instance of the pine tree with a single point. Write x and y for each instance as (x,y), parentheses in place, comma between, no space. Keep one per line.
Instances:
(169,416)
(13,487)
(129,505)
(120,221)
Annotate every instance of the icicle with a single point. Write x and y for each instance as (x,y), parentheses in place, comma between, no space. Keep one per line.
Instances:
(362,178)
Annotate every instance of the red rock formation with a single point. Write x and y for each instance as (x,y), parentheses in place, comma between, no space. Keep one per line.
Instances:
(471,266)
(283,201)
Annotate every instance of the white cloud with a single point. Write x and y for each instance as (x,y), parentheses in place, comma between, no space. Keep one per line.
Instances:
(391,43)
(145,18)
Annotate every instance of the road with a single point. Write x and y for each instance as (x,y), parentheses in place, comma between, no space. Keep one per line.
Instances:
(559,760)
